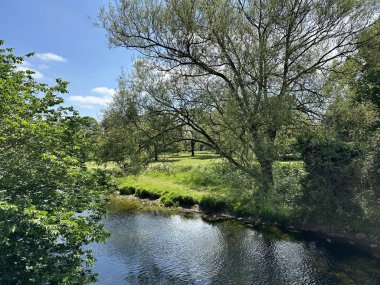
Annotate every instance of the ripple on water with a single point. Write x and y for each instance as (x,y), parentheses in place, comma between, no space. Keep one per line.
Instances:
(149,248)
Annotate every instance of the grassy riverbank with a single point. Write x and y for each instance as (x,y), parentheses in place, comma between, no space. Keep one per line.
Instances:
(182,180)
(217,187)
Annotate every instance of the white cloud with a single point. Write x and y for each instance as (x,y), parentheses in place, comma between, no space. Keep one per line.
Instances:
(43,66)
(36,75)
(90,100)
(49,56)
(26,63)
(104,91)
(87,106)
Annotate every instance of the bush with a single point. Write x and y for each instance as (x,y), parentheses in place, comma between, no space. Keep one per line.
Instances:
(167,201)
(184,201)
(128,190)
(212,204)
(333,180)
(205,176)
(145,194)
(242,209)
(103,178)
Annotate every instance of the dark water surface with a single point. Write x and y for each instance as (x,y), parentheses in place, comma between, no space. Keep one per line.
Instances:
(152,247)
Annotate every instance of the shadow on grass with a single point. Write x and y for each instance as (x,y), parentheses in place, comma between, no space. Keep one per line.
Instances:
(168,159)
(201,157)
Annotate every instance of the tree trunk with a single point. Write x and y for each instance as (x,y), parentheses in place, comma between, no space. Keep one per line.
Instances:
(192,143)
(267,174)
(266,155)
(155,153)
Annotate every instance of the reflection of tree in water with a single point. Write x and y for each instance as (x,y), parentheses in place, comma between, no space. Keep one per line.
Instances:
(165,248)
(154,249)
(154,275)
(251,258)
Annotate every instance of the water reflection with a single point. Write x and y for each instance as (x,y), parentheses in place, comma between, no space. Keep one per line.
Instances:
(151,248)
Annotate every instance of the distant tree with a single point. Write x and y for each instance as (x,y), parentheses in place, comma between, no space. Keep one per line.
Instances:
(121,141)
(50,205)
(252,66)
(160,130)
(135,130)
(189,137)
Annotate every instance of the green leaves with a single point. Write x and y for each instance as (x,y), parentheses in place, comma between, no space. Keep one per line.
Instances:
(50,205)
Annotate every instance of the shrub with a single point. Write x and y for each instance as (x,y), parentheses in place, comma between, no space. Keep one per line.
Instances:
(333,180)
(128,190)
(145,194)
(161,168)
(103,178)
(167,201)
(242,209)
(212,204)
(184,201)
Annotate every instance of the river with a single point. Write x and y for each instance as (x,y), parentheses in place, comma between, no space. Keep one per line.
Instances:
(155,247)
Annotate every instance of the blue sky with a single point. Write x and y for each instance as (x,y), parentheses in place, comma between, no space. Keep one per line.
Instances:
(68,46)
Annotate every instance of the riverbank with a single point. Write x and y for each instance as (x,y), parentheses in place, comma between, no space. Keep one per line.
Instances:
(182,180)
(208,186)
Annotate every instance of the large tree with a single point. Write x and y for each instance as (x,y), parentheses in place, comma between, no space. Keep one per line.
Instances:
(50,205)
(252,65)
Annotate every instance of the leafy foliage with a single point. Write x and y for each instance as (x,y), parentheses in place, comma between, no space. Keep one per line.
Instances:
(341,153)
(368,83)
(50,206)
(135,132)
(332,174)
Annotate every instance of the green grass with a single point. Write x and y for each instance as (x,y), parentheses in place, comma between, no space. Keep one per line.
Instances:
(211,182)
(177,175)
(179,179)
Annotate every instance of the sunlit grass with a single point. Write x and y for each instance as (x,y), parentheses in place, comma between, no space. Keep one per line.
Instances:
(173,173)
(207,180)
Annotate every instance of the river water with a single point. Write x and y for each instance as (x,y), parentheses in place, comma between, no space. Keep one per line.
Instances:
(155,247)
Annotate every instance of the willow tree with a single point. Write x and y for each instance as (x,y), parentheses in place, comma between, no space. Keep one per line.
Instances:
(262,62)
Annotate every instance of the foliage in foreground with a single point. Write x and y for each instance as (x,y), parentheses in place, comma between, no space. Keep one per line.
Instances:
(50,206)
